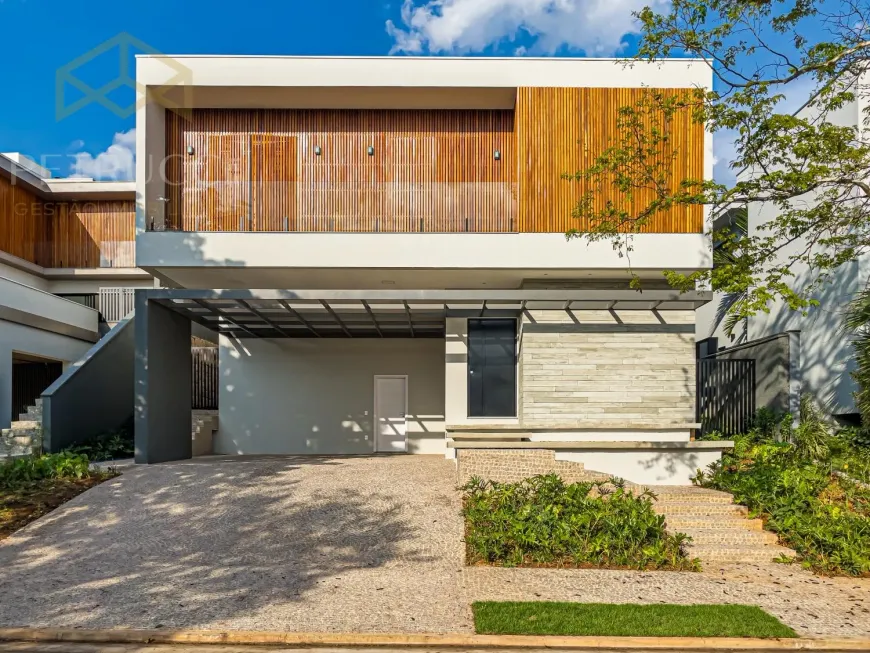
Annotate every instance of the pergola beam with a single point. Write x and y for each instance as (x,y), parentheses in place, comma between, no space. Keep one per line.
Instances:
(372,316)
(410,320)
(296,315)
(265,319)
(335,317)
(228,318)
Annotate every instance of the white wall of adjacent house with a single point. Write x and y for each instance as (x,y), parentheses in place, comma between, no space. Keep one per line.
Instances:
(826,355)
(316,396)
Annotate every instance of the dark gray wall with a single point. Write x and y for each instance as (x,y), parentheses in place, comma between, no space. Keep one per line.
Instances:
(162,383)
(774,369)
(94,395)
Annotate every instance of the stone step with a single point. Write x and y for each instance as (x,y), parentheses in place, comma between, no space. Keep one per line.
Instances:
(29,415)
(728,536)
(716,553)
(683,490)
(693,498)
(8,448)
(23,425)
(698,508)
(681,523)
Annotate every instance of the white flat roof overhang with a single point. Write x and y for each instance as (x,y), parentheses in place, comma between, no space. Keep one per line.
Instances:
(205,81)
(389,313)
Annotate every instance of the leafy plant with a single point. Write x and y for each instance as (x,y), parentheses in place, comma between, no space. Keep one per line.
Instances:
(810,437)
(544,521)
(108,446)
(21,472)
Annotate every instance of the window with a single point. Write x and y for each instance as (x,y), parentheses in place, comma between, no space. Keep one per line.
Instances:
(492,368)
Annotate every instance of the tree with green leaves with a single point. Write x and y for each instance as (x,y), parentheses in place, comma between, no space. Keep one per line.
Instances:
(810,166)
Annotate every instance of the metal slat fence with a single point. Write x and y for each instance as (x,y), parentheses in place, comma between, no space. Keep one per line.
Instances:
(204,378)
(725,395)
(116,303)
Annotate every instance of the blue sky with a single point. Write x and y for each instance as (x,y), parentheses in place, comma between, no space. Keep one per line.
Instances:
(41,36)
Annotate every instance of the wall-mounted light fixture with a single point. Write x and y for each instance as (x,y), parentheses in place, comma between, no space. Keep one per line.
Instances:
(318,150)
(497,155)
(371,150)
(190,150)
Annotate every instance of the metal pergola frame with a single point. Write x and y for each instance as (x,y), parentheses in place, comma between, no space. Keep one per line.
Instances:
(389,313)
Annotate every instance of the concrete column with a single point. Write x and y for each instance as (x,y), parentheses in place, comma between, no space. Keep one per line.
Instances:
(162,404)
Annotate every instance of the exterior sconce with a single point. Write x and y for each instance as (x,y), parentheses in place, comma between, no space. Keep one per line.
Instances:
(497,155)
(190,150)
(371,150)
(318,150)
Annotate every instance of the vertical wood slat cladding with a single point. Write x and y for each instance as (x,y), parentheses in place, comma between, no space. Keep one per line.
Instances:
(432,171)
(22,223)
(87,234)
(562,130)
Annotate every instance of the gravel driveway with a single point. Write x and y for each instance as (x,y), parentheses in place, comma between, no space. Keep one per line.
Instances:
(329,544)
(272,543)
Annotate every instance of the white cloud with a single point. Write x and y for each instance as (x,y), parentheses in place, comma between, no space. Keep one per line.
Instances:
(118,162)
(595,26)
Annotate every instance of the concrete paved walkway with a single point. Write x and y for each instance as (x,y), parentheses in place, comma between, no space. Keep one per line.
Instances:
(332,544)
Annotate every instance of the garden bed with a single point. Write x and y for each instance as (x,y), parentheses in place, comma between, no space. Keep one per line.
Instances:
(544,522)
(34,486)
(625,620)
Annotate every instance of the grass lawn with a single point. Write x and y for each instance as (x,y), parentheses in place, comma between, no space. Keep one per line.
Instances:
(23,505)
(628,620)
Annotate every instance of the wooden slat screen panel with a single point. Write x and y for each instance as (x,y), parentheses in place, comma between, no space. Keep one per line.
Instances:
(256,170)
(92,234)
(23,226)
(66,234)
(562,130)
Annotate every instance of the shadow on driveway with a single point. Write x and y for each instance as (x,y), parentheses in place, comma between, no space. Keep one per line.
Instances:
(273,543)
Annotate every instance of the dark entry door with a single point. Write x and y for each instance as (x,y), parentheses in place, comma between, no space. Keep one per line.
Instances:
(492,368)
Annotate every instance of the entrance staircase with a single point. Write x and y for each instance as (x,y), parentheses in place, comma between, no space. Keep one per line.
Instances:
(720,529)
(19,439)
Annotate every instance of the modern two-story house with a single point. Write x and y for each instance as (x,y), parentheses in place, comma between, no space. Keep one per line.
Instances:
(379,244)
(67,273)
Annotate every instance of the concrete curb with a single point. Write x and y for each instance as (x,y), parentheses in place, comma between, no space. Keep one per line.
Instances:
(423,641)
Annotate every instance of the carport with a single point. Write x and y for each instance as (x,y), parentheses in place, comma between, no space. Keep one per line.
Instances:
(164,317)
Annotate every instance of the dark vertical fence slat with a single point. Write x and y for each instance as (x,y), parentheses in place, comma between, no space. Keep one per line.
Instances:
(204,378)
(725,395)
(28,382)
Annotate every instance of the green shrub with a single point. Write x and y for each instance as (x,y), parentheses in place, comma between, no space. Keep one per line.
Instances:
(544,521)
(20,472)
(108,446)
(822,516)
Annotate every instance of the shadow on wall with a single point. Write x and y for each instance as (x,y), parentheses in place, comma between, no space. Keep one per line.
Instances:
(185,544)
(827,356)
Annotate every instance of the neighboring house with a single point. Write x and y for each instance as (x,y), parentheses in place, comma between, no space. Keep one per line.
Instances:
(380,243)
(67,258)
(824,361)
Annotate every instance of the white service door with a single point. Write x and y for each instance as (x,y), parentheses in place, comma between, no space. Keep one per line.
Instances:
(391,428)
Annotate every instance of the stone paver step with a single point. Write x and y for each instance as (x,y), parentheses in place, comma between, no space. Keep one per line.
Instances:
(29,416)
(738,553)
(699,499)
(684,490)
(698,508)
(705,536)
(683,522)
(25,424)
